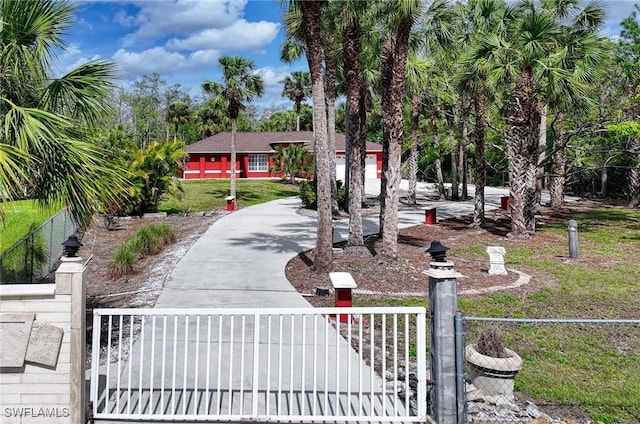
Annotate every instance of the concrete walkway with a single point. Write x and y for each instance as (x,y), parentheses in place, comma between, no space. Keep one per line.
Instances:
(239,262)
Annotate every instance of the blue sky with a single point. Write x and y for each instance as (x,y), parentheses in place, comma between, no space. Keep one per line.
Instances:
(183,39)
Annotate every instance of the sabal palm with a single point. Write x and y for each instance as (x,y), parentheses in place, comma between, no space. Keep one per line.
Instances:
(177,114)
(424,74)
(477,19)
(297,88)
(47,120)
(311,33)
(398,18)
(240,85)
(534,53)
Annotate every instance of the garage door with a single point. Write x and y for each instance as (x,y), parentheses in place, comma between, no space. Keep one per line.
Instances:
(371,167)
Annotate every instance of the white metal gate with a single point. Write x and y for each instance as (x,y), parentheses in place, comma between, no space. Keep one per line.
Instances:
(308,364)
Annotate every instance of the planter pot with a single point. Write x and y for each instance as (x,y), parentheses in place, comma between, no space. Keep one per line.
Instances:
(493,376)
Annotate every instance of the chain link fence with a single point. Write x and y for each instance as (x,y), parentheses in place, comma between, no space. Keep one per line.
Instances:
(33,258)
(551,371)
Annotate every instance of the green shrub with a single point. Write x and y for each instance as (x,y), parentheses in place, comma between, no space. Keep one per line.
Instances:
(342,195)
(145,242)
(123,261)
(163,232)
(308,194)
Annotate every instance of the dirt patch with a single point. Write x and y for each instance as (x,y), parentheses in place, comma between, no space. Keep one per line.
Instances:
(142,288)
(405,277)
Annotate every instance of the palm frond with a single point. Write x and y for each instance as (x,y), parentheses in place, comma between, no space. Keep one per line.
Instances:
(80,93)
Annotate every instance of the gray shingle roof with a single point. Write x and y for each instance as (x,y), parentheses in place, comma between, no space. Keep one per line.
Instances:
(262,142)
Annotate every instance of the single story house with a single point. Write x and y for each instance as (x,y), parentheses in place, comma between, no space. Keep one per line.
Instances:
(211,157)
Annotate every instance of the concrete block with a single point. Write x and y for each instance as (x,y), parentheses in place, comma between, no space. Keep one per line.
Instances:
(44,344)
(14,333)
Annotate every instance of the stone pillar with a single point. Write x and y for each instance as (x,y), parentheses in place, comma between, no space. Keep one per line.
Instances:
(70,280)
(443,305)
(42,351)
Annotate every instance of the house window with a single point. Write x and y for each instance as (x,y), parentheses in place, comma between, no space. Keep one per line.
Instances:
(258,163)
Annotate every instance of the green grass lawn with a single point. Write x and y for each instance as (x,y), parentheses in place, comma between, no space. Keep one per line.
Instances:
(206,195)
(19,218)
(593,367)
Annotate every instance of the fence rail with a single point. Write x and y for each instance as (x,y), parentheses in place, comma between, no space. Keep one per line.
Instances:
(579,369)
(31,259)
(259,364)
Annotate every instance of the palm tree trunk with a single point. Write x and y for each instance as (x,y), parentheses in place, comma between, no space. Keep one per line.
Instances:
(436,144)
(542,156)
(522,147)
(386,71)
(353,84)
(481,173)
(413,154)
(438,164)
(330,82)
(464,140)
(392,124)
(455,183)
(311,18)
(232,177)
(558,165)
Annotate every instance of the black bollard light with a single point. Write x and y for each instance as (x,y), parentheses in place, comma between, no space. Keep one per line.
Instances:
(71,247)
(438,251)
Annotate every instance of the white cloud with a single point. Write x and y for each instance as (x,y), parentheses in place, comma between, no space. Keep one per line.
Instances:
(241,35)
(72,50)
(153,60)
(202,58)
(272,86)
(156,19)
(121,18)
(164,62)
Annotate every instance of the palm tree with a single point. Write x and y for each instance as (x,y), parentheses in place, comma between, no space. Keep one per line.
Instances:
(478,18)
(353,82)
(177,114)
(399,17)
(435,32)
(570,86)
(240,85)
(293,48)
(297,88)
(536,55)
(46,121)
(311,12)
(292,160)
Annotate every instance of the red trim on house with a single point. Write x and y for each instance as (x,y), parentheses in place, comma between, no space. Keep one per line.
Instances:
(210,158)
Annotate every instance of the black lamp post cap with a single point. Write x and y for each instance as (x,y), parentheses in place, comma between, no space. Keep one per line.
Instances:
(438,251)
(71,246)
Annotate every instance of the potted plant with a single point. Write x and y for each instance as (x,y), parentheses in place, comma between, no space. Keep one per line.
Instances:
(493,367)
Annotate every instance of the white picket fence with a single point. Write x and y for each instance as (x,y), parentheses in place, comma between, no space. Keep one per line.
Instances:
(304,365)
